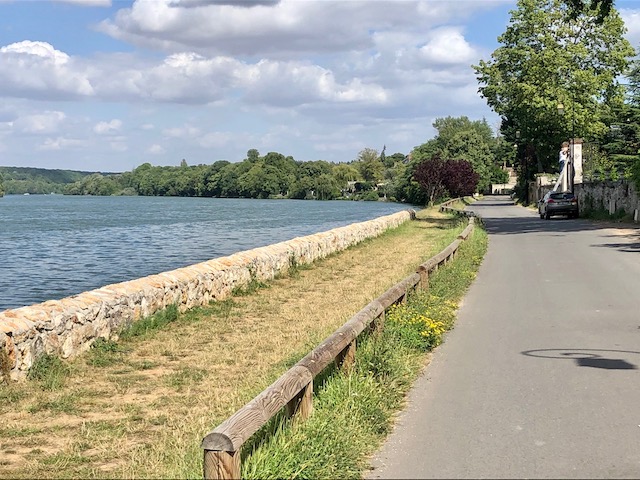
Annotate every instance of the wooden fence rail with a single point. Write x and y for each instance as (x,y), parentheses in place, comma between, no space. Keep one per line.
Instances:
(294,389)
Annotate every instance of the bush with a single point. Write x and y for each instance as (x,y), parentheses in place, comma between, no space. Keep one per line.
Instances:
(371,196)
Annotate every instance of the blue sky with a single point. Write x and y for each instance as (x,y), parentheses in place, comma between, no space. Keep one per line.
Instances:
(106,85)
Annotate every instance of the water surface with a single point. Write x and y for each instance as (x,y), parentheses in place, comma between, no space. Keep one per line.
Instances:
(54,246)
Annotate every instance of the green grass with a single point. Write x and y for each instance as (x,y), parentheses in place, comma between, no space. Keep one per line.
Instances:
(354,412)
(63,404)
(146,326)
(185,377)
(602,214)
(105,352)
(250,288)
(49,371)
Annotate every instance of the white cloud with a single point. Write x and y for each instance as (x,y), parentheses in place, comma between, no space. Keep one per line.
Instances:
(275,29)
(47,122)
(37,70)
(448,46)
(61,143)
(279,75)
(304,84)
(217,139)
(186,131)
(156,149)
(631,19)
(104,128)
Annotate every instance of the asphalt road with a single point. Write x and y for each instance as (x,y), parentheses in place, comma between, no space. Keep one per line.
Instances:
(540,376)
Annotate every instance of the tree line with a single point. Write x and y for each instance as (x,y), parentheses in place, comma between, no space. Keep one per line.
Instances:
(464,157)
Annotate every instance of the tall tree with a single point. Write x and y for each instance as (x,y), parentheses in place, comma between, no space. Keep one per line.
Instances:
(551,54)
(371,168)
(429,175)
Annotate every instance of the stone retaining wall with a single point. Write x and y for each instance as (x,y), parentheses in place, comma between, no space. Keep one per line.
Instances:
(609,196)
(69,326)
(604,195)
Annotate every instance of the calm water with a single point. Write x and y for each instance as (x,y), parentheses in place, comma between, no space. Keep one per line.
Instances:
(54,246)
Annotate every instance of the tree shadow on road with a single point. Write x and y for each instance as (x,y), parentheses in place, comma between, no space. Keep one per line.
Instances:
(584,358)
(501,217)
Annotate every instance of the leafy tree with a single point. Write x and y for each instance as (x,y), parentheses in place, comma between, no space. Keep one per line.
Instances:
(95,184)
(314,169)
(603,7)
(326,187)
(344,172)
(253,155)
(553,53)
(396,158)
(18,180)
(429,175)
(261,181)
(459,178)
(302,188)
(1,185)
(370,166)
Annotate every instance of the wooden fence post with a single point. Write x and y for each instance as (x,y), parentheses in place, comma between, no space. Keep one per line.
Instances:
(220,465)
(347,357)
(424,278)
(301,405)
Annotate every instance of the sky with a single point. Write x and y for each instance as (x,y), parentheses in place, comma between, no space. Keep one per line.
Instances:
(107,85)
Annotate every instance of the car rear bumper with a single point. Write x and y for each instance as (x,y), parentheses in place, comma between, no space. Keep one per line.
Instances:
(562,210)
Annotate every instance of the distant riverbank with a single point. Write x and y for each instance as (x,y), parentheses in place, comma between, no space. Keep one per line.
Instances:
(56,246)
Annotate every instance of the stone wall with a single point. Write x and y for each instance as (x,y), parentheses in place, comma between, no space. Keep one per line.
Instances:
(69,326)
(609,196)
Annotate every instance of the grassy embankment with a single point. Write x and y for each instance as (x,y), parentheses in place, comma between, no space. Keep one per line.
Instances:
(139,407)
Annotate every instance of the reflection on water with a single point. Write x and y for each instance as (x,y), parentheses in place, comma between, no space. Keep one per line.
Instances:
(53,246)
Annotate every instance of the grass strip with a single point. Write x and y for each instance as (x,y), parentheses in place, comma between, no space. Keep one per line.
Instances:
(353,412)
(139,407)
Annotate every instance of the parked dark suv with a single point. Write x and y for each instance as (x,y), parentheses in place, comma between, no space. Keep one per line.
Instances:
(558,203)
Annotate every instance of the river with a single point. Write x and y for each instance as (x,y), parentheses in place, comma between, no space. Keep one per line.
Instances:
(54,246)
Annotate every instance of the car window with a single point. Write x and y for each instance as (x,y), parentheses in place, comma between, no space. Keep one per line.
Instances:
(562,196)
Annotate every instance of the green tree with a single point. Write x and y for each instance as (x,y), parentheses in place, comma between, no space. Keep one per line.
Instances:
(370,166)
(550,54)
(261,181)
(463,139)
(602,7)
(344,173)
(253,155)
(1,185)
(302,188)
(326,187)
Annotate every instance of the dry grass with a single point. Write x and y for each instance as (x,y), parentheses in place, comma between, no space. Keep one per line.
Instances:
(144,413)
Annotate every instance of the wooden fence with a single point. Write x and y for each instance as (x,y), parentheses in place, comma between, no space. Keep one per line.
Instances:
(294,388)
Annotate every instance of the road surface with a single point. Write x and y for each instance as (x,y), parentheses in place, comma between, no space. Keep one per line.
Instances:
(540,376)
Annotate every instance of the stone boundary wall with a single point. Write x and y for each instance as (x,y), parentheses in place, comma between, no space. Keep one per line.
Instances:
(603,195)
(608,195)
(69,326)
